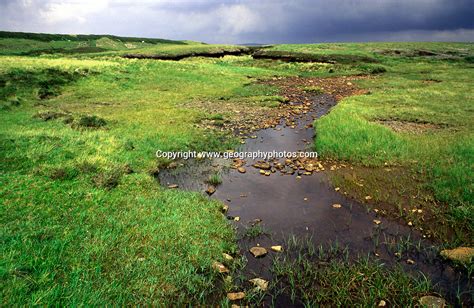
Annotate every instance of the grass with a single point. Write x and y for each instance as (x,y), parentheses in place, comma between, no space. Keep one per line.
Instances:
(254,231)
(325,276)
(19,43)
(215,179)
(83,220)
(431,91)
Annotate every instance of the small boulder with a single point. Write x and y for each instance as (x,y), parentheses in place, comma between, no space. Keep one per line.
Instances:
(241,170)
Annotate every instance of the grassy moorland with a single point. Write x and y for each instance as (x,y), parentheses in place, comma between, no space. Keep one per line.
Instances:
(85,222)
(417,116)
(83,219)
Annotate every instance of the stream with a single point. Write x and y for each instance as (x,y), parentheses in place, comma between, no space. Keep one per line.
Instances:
(302,205)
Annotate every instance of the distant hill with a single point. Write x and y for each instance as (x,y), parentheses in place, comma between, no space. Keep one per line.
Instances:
(23,43)
(47,37)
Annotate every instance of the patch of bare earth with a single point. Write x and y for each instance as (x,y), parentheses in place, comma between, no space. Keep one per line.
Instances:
(243,116)
(410,127)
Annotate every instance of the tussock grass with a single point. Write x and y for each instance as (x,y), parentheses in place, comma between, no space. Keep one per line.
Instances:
(325,276)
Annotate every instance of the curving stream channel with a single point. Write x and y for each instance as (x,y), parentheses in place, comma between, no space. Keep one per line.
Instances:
(302,205)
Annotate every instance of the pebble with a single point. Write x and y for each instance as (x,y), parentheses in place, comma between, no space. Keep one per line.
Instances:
(210,190)
(227,257)
(460,254)
(220,267)
(234,296)
(258,252)
(277,248)
(261,284)
(432,301)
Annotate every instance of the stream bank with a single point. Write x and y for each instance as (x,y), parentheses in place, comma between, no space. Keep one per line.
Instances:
(270,206)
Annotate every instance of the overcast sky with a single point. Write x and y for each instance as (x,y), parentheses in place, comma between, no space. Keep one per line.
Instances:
(248,21)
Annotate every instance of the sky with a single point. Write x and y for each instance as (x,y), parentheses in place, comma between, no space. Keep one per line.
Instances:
(248,21)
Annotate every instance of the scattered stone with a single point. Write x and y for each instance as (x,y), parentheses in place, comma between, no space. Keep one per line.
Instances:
(336,206)
(368,198)
(377,222)
(220,267)
(225,208)
(227,257)
(262,165)
(258,252)
(236,218)
(261,284)
(410,223)
(172,165)
(432,302)
(277,248)
(210,190)
(262,172)
(460,254)
(241,170)
(382,303)
(410,261)
(337,189)
(173,186)
(234,296)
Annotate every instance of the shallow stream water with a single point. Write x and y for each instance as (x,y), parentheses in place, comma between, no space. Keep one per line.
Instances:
(287,205)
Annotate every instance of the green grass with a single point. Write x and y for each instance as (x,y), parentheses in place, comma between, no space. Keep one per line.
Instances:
(214,179)
(176,50)
(19,43)
(254,231)
(325,276)
(425,90)
(84,221)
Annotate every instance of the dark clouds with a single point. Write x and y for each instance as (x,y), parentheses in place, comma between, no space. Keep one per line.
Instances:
(247,21)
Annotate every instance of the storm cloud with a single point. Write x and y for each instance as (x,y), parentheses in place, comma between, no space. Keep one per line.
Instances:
(246,21)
